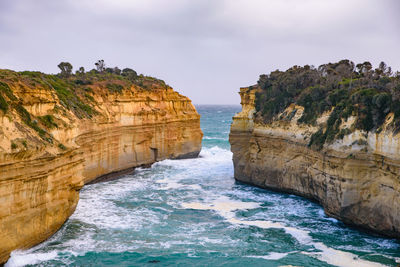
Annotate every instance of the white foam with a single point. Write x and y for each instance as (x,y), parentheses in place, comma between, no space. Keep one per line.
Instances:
(22,258)
(340,258)
(223,206)
(172,184)
(322,214)
(271,256)
(226,208)
(213,138)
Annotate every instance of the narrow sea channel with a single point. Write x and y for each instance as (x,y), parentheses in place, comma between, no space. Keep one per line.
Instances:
(192,213)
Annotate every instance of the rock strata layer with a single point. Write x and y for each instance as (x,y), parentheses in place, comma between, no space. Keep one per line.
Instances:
(42,169)
(355,179)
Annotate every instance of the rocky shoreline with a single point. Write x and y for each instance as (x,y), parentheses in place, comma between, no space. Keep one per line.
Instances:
(358,186)
(42,168)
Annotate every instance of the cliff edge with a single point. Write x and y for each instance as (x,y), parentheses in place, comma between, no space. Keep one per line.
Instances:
(59,133)
(334,140)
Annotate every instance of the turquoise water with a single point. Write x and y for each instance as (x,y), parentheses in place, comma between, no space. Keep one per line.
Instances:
(192,213)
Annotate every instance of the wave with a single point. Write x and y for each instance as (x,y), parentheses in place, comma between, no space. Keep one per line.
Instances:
(226,208)
(152,199)
(215,138)
(19,258)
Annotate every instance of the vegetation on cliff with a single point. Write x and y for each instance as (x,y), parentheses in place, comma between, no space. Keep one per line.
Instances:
(73,93)
(344,88)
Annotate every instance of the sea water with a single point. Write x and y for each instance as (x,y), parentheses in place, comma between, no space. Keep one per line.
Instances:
(192,213)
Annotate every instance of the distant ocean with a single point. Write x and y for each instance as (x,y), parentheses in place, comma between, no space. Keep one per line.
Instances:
(192,213)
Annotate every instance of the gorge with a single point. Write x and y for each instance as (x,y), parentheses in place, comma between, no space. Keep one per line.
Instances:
(302,132)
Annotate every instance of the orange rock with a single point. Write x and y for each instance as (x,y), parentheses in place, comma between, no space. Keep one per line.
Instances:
(40,180)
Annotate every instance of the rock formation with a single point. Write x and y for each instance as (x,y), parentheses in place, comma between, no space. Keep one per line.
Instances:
(57,134)
(355,179)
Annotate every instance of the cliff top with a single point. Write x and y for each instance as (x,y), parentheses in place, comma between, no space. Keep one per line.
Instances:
(73,91)
(341,89)
(38,110)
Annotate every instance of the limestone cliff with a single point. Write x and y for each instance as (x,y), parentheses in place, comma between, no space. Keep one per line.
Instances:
(356,178)
(58,134)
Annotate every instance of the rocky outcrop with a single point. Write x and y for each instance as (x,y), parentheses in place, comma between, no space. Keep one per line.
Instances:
(356,179)
(49,149)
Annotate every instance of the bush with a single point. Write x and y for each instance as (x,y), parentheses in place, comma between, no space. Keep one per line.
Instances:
(62,147)
(114,87)
(7,91)
(3,104)
(346,88)
(317,140)
(48,121)
(13,146)
(26,118)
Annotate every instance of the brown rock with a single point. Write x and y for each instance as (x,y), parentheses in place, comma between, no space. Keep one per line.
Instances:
(40,182)
(358,184)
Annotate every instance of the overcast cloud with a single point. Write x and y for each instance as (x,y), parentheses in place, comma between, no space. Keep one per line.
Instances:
(205,49)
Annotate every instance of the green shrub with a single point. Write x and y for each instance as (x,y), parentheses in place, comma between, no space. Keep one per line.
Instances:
(115,88)
(26,118)
(317,140)
(61,146)
(13,146)
(343,86)
(3,104)
(343,133)
(48,121)
(7,91)
(69,99)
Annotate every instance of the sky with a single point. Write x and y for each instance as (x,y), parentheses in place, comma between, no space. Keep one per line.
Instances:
(204,49)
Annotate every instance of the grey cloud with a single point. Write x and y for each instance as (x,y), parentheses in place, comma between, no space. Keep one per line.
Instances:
(205,49)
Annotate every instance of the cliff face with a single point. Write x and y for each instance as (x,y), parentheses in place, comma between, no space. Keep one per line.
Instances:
(49,149)
(356,179)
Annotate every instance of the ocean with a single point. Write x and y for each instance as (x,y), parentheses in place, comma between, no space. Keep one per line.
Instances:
(192,212)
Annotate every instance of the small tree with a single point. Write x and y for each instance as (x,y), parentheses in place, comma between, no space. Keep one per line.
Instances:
(383,67)
(130,74)
(117,70)
(109,70)
(80,71)
(66,69)
(100,65)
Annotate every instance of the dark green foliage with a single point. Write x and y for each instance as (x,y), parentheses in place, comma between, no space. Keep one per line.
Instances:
(313,101)
(66,69)
(91,98)
(346,88)
(26,118)
(13,145)
(114,70)
(69,99)
(115,88)
(343,133)
(4,88)
(48,121)
(3,104)
(61,146)
(31,74)
(317,140)
(130,74)
(82,82)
